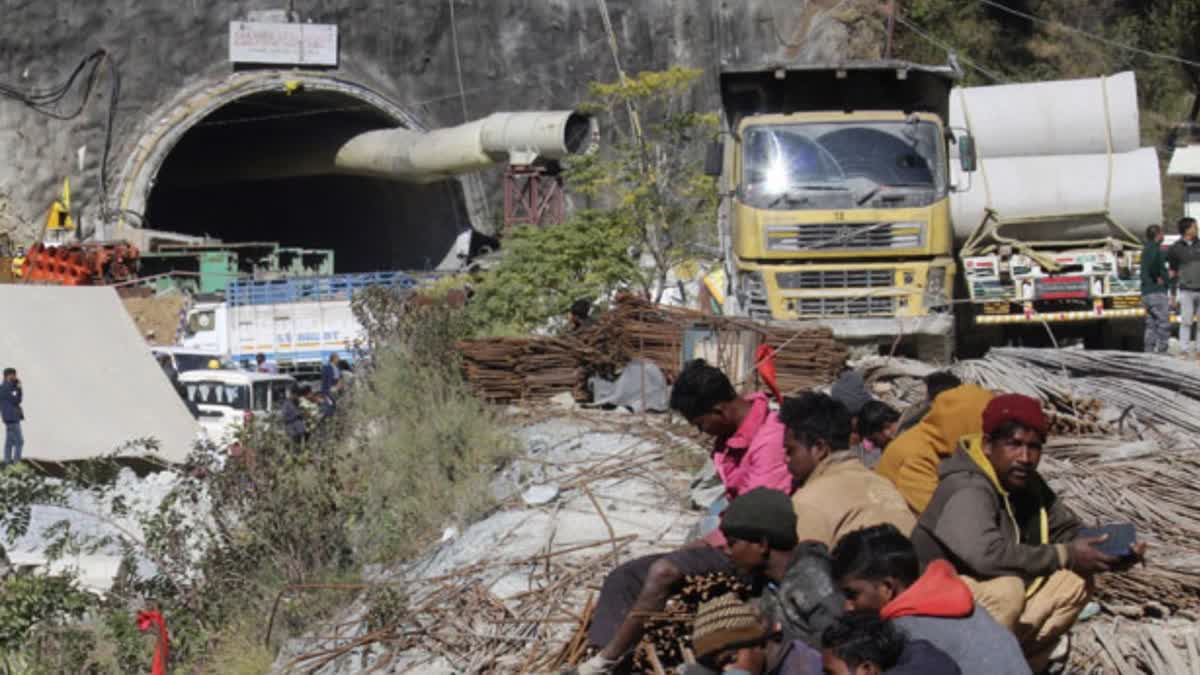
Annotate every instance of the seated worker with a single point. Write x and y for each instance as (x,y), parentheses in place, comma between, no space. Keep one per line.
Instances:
(911,461)
(748,451)
(760,529)
(878,424)
(835,493)
(850,389)
(864,644)
(728,636)
(1007,533)
(878,571)
(935,383)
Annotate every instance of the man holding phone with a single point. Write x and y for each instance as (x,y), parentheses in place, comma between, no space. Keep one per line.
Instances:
(1015,544)
(10,411)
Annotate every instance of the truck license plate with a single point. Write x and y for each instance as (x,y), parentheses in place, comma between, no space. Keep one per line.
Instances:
(1063,288)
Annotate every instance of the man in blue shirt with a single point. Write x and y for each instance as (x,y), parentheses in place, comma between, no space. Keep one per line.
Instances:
(12,415)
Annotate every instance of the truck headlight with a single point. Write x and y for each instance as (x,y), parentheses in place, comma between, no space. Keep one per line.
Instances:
(935,287)
(935,282)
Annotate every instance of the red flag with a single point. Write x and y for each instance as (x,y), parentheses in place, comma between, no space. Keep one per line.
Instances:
(146,621)
(764,358)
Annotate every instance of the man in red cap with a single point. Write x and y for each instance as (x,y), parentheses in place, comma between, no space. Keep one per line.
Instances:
(1006,532)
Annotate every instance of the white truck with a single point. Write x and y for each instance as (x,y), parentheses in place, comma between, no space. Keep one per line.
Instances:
(296,323)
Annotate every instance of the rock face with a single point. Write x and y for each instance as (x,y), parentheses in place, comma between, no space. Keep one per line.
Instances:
(513,55)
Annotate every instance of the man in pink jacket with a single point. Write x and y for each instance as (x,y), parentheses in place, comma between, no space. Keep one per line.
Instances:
(748,452)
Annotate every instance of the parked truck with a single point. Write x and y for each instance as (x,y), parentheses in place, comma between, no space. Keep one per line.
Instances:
(297,323)
(1051,224)
(851,193)
(835,185)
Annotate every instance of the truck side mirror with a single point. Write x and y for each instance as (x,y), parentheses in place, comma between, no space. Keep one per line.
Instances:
(966,153)
(713,158)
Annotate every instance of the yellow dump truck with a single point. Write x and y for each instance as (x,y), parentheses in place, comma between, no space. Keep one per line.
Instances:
(835,189)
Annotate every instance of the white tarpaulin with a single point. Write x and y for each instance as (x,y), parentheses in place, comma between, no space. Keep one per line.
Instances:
(90,382)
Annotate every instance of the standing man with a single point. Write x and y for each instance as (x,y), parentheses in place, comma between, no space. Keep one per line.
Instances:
(1155,282)
(330,375)
(293,417)
(10,411)
(1184,258)
(263,365)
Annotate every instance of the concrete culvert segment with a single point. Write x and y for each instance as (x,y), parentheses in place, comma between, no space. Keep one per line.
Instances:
(252,158)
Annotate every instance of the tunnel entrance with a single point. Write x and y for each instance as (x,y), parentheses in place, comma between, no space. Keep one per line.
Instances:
(259,169)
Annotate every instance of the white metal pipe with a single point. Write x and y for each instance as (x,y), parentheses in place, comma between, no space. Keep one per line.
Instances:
(520,138)
(1062,117)
(1043,186)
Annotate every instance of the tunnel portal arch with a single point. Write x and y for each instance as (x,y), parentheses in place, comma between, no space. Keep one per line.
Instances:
(176,179)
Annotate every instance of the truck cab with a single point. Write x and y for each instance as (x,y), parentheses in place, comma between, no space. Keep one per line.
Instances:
(228,399)
(835,185)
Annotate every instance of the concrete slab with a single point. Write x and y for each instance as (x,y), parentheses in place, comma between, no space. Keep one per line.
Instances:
(90,382)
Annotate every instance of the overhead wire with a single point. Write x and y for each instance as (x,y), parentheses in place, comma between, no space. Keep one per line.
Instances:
(1093,36)
(995,77)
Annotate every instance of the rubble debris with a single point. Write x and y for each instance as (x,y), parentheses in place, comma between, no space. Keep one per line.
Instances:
(157,317)
(509,369)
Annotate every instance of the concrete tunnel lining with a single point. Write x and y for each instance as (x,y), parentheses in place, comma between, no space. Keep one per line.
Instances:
(166,132)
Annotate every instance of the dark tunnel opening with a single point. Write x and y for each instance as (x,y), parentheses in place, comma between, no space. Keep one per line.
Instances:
(259,169)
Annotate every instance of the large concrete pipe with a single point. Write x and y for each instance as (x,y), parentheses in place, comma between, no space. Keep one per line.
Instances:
(1062,117)
(1039,186)
(415,157)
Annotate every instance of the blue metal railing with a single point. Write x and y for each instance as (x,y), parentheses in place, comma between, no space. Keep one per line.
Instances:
(312,289)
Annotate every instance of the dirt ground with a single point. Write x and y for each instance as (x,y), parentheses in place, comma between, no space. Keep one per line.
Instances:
(157,318)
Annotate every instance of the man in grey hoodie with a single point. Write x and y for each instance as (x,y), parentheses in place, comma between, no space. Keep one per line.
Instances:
(877,570)
(1184,259)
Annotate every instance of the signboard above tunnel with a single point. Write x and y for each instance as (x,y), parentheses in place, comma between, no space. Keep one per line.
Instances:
(292,44)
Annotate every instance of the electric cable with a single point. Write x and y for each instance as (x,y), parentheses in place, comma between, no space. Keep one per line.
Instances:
(46,103)
(937,43)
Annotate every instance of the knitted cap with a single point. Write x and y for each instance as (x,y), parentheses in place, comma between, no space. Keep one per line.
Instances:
(762,513)
(725,623)
(851,391)
(1017,408)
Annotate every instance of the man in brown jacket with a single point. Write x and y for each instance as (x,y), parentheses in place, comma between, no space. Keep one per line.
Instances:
(835,492)
(1006,532)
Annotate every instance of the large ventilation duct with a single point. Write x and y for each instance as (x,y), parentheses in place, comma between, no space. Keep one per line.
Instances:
(415,157)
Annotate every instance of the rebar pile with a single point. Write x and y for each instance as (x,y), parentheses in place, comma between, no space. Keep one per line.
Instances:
(1124,647)
(1154,490)
(1123,386)
(508,369)
(667,642)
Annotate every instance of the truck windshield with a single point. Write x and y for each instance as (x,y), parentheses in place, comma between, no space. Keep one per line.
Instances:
(235,396)
(842,165)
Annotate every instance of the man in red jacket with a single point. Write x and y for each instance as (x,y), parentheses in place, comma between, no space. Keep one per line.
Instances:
(877,570)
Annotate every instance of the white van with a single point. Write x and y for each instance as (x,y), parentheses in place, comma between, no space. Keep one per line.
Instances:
(228,399)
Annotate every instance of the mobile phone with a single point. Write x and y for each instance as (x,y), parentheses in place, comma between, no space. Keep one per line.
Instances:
(1121,537)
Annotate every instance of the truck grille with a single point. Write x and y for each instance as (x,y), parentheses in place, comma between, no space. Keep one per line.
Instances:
(871,278)
(834,307)
(827,236)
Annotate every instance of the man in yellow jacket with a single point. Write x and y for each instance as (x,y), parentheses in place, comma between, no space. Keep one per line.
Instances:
(911,460)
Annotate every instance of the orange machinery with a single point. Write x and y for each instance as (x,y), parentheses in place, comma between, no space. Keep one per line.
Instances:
(80,264)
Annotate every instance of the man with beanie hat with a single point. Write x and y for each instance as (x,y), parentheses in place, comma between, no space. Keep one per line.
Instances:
(760,531)
(1006,532)
(727,636)
(800,596)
